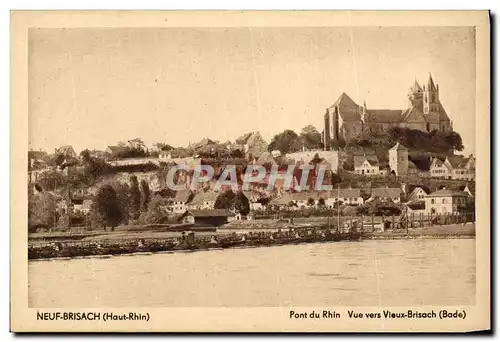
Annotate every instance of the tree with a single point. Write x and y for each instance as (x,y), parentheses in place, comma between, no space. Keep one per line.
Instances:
(93,167)
(287,142)
(154,212)
(310,137)
(337,143)
(434,141)
(145,195)
(225,200)
(85,155)
(321,202)
(163,146)
(135,198)
(348,165)
(51,180)
(241,203)
(310,201)
(123,198)
(107,207)
(41,211)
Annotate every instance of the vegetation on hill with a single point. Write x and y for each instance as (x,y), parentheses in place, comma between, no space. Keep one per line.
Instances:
(288,141)
(435,141)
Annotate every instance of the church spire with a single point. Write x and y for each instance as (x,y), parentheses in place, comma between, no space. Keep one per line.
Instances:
(415,87)
(430,84)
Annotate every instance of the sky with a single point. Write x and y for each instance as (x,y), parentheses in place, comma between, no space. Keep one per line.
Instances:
(93,87)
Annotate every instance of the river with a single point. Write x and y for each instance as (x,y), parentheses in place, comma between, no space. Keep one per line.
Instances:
(366,273)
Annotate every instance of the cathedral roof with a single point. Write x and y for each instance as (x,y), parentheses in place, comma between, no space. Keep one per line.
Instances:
(344,101)
(348,109)
(442,113)
(384,115)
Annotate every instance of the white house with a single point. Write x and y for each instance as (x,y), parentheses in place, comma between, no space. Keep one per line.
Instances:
(454,167)
(82,205)
(344,196)
(366,165)
(417,195)
(178,204)
(387,194)
(203,200)
(445,201)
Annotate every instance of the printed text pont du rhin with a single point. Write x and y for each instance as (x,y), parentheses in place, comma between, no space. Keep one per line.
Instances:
(385,314)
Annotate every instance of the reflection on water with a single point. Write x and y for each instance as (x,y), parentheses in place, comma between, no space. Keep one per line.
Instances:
(389,273)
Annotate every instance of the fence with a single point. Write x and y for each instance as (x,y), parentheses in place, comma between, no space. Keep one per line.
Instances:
(372,223)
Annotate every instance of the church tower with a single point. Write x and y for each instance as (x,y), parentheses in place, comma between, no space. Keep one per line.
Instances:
(398,159)
(431,97)
(415,96)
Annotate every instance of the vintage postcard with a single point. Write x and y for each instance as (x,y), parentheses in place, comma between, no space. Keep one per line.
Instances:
(319,171)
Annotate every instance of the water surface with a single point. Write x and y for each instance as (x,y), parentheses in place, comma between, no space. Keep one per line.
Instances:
(388,273)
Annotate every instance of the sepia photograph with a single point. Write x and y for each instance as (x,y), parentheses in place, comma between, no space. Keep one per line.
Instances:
(318,169)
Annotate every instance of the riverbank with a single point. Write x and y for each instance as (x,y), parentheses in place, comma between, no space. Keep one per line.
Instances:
(140,243)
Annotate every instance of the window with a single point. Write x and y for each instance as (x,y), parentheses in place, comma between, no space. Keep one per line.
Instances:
(432,201)
(443,201)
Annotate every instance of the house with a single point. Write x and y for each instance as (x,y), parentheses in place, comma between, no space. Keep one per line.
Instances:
(203,200)
(344,196)
(81,205)
(418,194)
(276,153)
(453,167)
(464,168)
(304,199)
(305,157)
(253,145)
(284,202)
(66,151)
(387,194)
(97,154)
(366,165)
(208,217)
(255,199)
(445,201)
(266,158)
(178,204)
(465,188)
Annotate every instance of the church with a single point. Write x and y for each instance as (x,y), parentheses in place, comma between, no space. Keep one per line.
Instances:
(346,120)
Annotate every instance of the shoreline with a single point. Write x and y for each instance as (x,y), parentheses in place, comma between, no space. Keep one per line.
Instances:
(93,250)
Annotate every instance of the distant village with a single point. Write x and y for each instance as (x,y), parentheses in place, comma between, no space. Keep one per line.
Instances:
(379,162)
